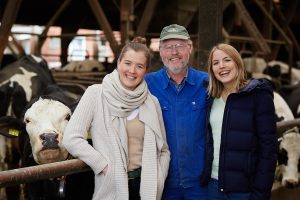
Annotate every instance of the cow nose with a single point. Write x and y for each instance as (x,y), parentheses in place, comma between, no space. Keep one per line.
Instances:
(291,183)
(49,140)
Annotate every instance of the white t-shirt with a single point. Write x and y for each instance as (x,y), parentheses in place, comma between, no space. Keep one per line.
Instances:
(216,121)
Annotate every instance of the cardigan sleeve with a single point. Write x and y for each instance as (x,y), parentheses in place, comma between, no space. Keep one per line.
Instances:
(164,158)
(267,145)
(75,135)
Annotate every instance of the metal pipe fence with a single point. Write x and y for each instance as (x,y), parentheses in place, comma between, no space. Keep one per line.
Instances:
(57,169)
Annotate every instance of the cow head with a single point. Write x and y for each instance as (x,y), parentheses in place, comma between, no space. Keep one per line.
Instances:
(288,159)
(41,128)
(45,122)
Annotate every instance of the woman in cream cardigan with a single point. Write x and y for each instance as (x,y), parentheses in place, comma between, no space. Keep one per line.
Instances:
(130,156)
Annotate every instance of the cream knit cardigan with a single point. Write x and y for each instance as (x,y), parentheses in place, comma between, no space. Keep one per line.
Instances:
(110,146)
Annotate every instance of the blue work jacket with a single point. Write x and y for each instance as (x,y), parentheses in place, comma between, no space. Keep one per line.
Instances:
(184,116)
(248,151)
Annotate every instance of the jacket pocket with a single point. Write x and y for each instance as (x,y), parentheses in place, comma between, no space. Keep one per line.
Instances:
(198,104)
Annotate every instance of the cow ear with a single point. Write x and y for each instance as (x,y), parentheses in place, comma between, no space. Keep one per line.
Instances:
(10,126)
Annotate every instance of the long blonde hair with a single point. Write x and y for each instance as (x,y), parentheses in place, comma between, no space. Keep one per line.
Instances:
(215,87)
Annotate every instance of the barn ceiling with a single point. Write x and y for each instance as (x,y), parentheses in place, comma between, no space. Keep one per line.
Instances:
(147,17)
(79,14)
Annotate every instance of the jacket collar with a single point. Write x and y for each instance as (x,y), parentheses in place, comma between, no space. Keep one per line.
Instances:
(190,79)
(257,83)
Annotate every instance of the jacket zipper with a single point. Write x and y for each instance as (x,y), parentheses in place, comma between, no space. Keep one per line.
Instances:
(223,135)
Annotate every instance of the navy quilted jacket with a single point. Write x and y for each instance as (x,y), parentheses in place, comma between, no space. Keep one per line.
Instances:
(248,151)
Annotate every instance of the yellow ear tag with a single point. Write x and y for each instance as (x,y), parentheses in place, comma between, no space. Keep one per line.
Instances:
(89,135)
(13,132)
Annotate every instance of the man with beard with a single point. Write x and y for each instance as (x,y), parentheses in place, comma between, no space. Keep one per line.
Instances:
(182,96)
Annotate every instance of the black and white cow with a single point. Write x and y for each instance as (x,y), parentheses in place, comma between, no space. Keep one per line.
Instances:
(40,132)
(84,66)
(20,82)
(287,171)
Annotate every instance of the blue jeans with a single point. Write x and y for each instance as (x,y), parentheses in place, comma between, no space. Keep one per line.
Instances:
(196,192)
(215,194)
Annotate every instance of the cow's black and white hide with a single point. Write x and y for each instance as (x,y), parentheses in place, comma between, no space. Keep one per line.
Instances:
(20,82)
(283,111)
(284,68)
(7,59)
(288,159)
(84,66)
(289,147)
(40,132)
(254,64)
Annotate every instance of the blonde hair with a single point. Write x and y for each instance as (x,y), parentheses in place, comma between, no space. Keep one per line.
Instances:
(215,87)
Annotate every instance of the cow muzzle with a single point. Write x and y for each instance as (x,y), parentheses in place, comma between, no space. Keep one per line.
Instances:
(290,183)
(49,141)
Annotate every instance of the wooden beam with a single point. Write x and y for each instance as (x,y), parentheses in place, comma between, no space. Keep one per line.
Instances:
(13,50)
(146,17)
(267,27)
(251,27)
(7,21)
(18,45)
(285,21)
(43,35)
(210,23)
(104,25)
(275,24)
(226,3)
(187,9)
(126,16)
(282,33)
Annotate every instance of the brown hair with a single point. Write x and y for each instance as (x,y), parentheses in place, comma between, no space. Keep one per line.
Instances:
(215,87)
(137,44)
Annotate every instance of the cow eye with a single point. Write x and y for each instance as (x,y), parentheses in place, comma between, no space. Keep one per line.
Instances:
(26,120)
(68,117)
(282,156)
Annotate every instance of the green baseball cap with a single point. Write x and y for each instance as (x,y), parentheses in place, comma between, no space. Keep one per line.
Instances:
(174,31)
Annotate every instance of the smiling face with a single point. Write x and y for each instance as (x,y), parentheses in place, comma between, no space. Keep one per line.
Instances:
(132,68)
(175,54)
(224,68)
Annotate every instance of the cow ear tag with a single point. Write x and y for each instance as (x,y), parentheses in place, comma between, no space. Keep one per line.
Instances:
(89,136)
(13,132)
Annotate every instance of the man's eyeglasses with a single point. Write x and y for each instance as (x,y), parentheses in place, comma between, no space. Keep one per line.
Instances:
(177,47)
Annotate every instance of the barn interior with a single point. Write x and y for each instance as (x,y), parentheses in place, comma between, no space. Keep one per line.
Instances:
(268,29)
(265,28)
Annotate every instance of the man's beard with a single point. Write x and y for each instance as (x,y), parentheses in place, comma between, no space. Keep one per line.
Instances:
(176,70)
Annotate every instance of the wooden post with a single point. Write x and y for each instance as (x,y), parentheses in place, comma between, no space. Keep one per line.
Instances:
(210,29)
(7,21)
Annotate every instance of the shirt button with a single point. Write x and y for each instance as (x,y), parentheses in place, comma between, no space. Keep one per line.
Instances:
(222,190)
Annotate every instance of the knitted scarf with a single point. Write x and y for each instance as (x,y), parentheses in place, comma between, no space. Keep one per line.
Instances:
(121,102)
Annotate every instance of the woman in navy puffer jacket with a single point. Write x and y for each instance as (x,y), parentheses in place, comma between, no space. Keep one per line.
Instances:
(241,141)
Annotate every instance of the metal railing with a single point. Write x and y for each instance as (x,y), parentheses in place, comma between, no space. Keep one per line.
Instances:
(40,172)
(57,169)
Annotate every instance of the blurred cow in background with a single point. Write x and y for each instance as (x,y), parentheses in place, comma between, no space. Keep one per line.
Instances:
(84,66)
(287,172)
(286,102)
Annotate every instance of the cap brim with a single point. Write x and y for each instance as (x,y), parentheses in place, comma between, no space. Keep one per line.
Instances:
(175,36)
